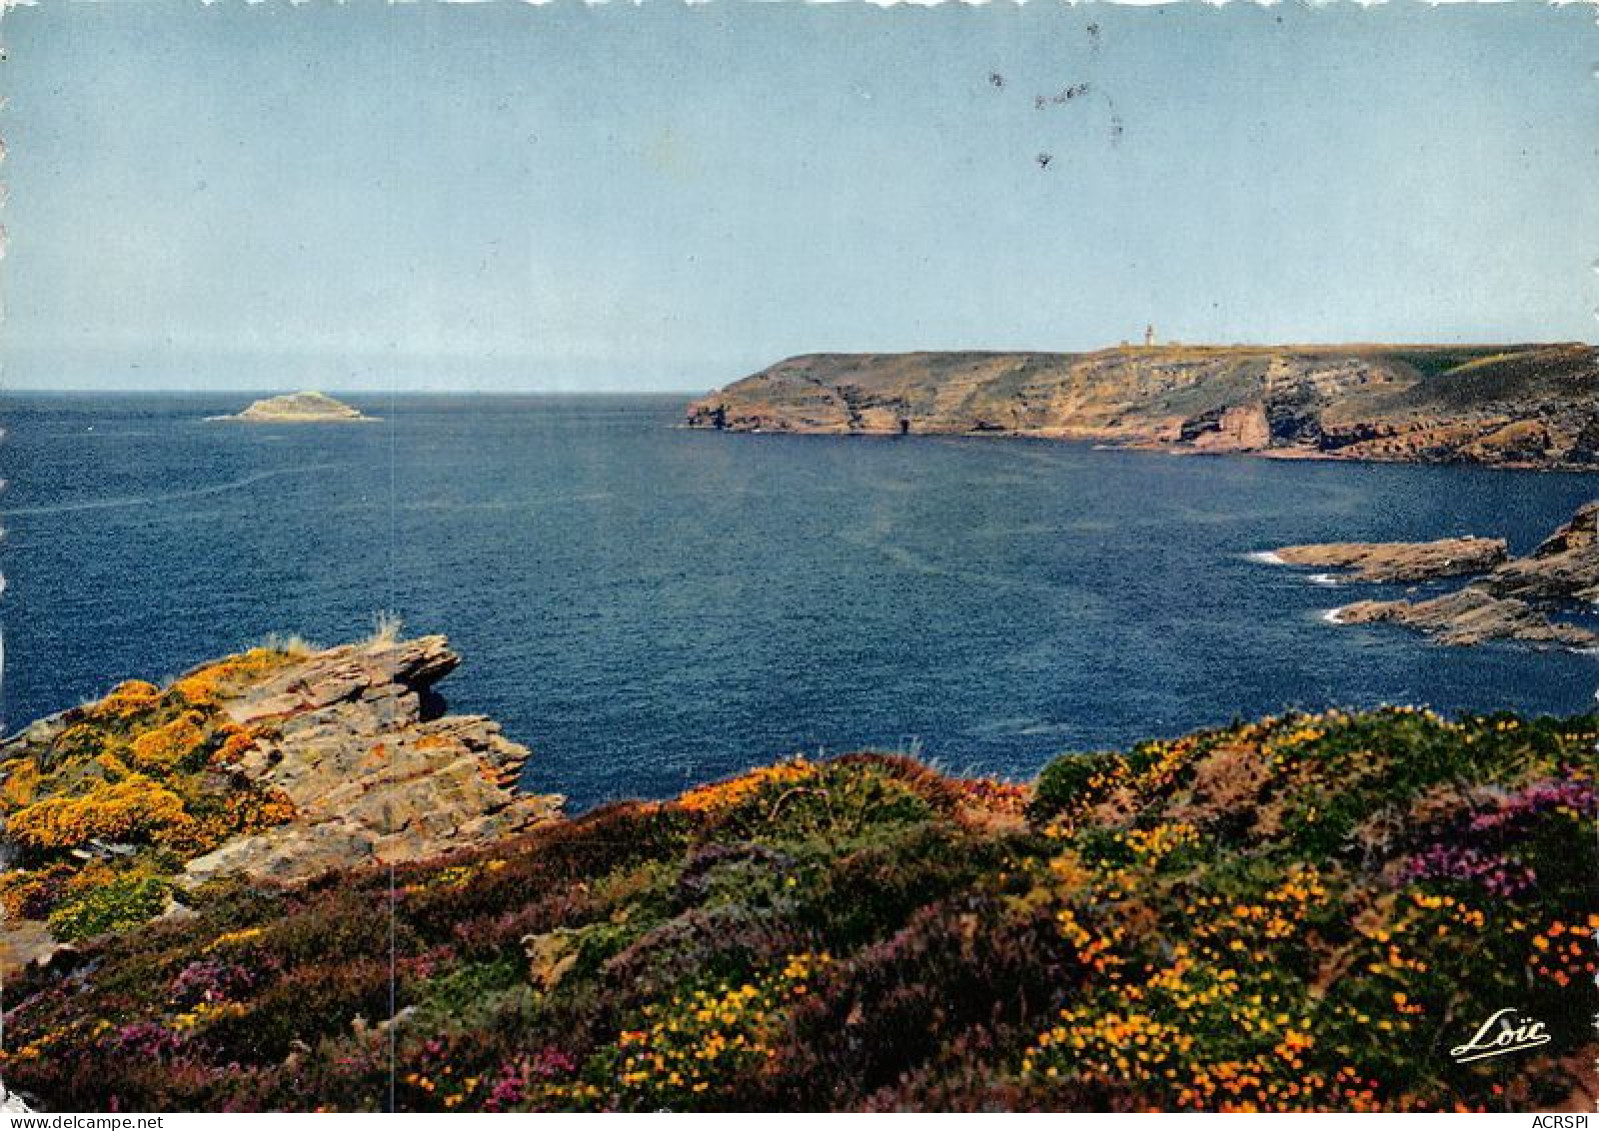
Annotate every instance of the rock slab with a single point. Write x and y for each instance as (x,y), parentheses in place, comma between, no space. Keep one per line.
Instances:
(355,738)
(1402,562)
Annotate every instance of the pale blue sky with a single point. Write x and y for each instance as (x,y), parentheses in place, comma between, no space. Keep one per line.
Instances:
(510,197)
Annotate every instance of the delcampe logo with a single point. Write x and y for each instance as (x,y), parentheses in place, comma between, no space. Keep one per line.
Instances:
(1503,1033)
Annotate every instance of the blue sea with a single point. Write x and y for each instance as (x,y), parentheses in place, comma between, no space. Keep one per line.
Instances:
(648,607)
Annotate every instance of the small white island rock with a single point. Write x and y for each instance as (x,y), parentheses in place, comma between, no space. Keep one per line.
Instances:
(298,408)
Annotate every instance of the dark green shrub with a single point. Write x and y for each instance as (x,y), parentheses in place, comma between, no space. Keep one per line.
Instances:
(1066,779)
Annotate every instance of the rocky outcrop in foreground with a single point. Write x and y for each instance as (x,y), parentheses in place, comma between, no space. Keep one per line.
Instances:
(278,764)
(1513,600)
(299,408)
(1518,405)
(353,738)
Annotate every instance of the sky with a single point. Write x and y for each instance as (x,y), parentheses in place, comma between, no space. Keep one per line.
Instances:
(504,197)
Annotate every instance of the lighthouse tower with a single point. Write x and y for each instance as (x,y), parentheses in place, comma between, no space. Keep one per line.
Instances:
(1149,335)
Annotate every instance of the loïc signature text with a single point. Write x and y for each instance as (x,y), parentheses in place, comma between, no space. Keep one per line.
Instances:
(1504,1032)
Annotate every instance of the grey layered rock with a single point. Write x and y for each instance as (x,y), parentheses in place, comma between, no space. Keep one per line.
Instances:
(1564,567)
(356,738)
(352,737)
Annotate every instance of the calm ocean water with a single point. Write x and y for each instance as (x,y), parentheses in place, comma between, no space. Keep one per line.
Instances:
(648,607)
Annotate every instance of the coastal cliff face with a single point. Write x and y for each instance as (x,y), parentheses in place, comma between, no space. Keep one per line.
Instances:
(278,764)
(355,739)
(1521,405)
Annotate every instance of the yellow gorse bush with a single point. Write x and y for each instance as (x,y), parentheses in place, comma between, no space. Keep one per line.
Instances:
(136,807)
(234,938)
(1151,846)
(204,686)
(128,699)
(165,746)
(18,786)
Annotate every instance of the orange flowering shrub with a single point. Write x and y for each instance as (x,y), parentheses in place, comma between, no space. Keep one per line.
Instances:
(128,700)
(82,740)
(733,792)
(243,812)
(238,742)
(995,797)
(1566,954)
(19,784)
(31,894)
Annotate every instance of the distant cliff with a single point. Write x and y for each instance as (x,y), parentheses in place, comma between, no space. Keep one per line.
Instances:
(1515,405)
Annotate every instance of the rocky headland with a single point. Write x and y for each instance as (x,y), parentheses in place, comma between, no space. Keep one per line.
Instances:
(276,765)
(1507,598)
(1513,405)
(299,408)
